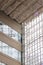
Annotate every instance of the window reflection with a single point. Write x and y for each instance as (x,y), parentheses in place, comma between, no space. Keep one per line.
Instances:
(12,52)
(10,32)
(4,48)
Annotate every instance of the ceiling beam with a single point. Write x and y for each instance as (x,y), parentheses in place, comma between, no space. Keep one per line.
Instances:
(11,42)
(4,5)
(8,60)
(13,6)
(26,4)
(8,21)
(29,12)
(32,16)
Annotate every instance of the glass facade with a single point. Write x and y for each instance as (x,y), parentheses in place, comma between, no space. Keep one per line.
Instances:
(10,32)
(12,52)
(4,48)
(34,41)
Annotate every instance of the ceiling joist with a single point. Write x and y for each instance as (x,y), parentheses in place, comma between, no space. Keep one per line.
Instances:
(13,7)
(20,10)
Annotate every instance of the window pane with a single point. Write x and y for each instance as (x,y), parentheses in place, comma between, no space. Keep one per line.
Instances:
(12,52)
(33,41)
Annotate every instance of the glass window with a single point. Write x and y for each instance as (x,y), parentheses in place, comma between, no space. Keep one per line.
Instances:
(10,32)
(33,45)
(12,52)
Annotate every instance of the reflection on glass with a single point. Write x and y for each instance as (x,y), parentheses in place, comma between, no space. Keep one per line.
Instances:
(12,52)
(10,32)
